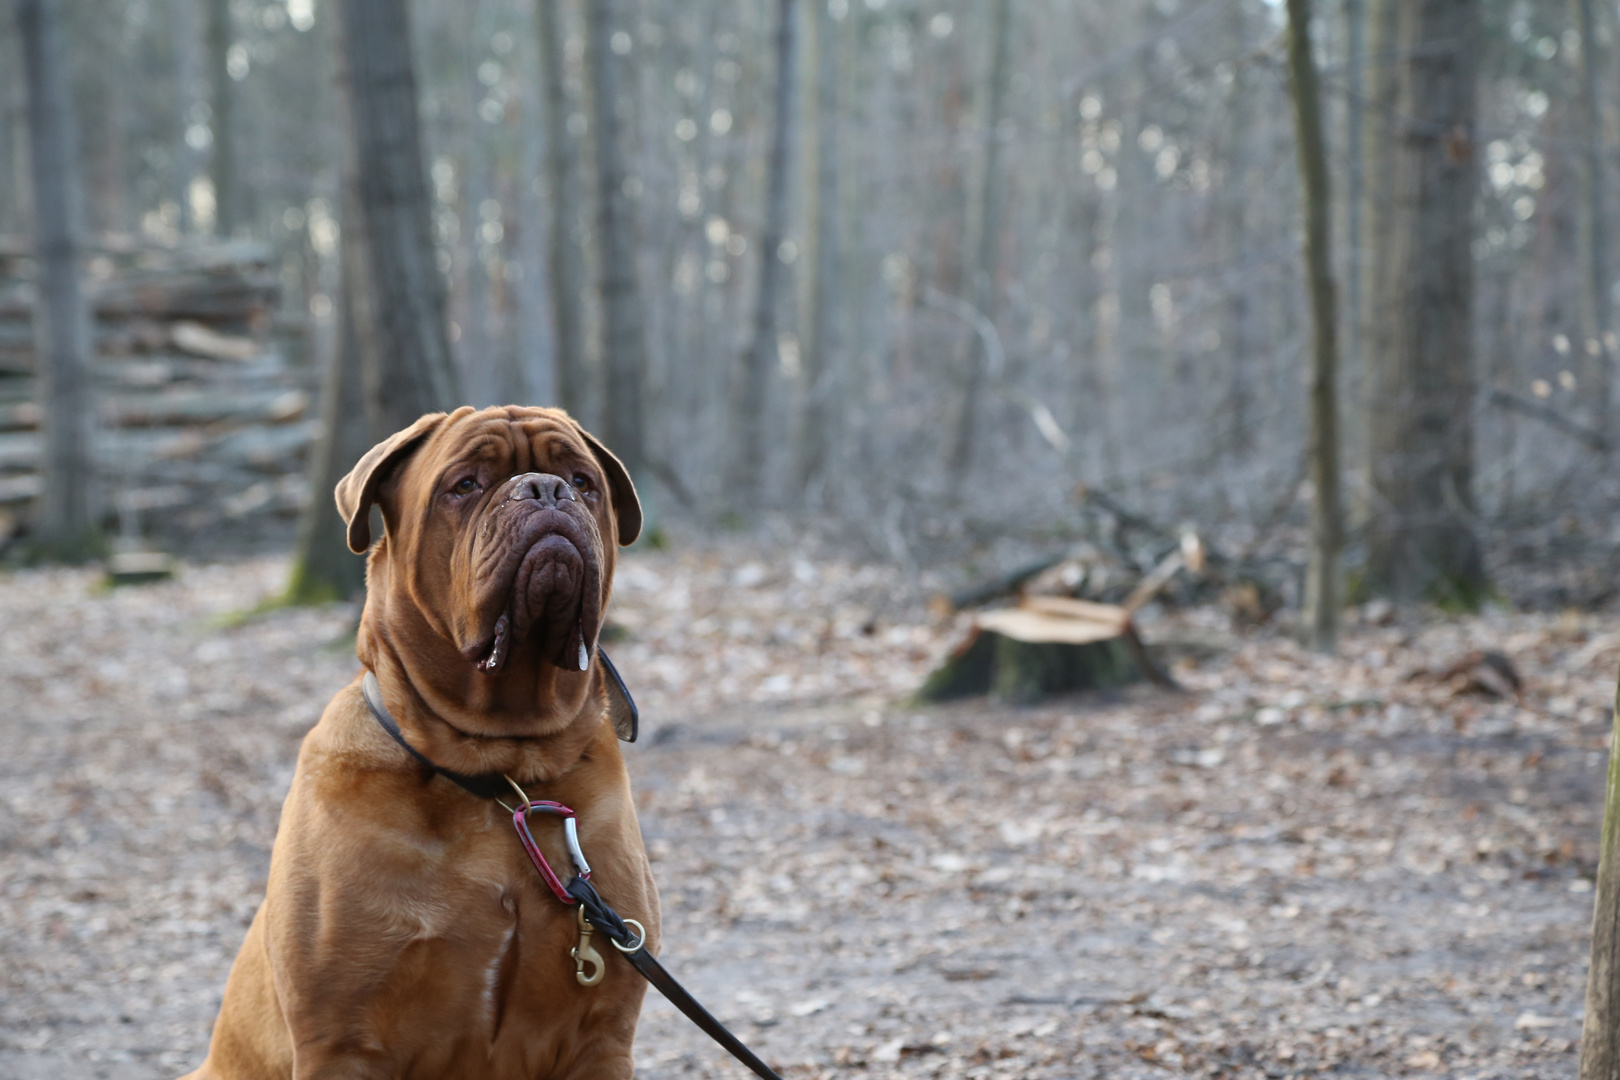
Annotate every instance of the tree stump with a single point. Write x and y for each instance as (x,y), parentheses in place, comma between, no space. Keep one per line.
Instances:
(1048,645)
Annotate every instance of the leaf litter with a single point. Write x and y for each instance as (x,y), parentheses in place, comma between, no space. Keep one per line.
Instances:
(1377,864)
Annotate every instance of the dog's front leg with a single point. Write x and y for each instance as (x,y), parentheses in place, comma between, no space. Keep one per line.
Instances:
(357,930)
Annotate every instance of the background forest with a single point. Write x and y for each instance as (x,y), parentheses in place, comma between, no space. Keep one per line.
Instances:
(941,276)
(1192,324)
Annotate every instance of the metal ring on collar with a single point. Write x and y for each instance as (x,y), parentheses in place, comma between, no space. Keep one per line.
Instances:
(641,938)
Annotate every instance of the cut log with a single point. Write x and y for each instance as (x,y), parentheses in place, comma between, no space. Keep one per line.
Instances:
(199,340)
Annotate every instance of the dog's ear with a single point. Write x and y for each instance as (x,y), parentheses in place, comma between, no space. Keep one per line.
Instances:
(626,506)
(356,492)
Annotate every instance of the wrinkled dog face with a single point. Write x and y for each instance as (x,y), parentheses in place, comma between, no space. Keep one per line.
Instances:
(502,527)
(532,558)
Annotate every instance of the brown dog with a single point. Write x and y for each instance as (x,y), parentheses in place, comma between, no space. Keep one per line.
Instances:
(404,932)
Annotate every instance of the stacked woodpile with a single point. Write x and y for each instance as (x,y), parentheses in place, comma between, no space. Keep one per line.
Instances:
(206,402)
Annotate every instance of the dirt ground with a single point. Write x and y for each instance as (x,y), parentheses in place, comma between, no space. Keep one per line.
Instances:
(1297,867)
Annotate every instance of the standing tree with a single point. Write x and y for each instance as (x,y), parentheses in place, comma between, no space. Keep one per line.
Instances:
(323,568)
(1322,592)
(399,299)
(1420,390)
(624,336)
(1596,233)
(65,526)
(820,426)
(567,278)
(1370,164)
(223,161)
(760,356)
(984,227)
(1355,119)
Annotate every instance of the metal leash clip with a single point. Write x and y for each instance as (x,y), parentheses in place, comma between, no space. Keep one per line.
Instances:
(520,821)
(586,957)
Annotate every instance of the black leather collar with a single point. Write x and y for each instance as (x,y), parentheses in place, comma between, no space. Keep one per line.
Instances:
(621,709)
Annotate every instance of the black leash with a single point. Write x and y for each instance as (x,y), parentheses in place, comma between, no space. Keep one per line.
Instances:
(605,919)
(597,911)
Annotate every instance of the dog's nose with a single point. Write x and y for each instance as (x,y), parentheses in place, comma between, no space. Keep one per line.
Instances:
(543,488)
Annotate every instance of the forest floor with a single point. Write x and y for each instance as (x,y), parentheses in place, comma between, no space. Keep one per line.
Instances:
(1299,866)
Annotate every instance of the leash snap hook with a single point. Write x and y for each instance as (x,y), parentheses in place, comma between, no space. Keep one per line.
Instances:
(585,956)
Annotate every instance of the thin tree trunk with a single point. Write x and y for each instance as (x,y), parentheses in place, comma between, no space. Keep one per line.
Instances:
(986,232)
(188,83)
(1597,222)
(65,526)
(400,311)
(819,428)
(1600,1029)
(1378,124)
(1238,427)
(1355,19)
(562,177)
(476,349)
(1322,592)
(760,357)
(1420,537)
(222,163)
(624,337)
(536,330)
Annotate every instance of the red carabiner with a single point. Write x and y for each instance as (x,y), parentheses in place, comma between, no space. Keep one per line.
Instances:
(520,821)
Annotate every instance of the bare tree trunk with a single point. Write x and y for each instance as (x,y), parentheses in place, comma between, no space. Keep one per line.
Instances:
(624,337)
(1420,537)
(188,81)
(820,428)
(1376,138)
(65,526)
(986,232)
(1238,427)
(222,163)
(323,567)
(760,357)
(1597,222)
(1355,20)
(400,309)
(1322,591)
(562,177)
(537,329)
(1600,1029)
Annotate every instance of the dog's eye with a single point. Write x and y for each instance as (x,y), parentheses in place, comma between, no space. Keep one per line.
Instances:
(465,486)
(582,482)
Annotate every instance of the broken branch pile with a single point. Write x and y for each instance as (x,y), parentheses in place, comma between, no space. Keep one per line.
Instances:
(205,403)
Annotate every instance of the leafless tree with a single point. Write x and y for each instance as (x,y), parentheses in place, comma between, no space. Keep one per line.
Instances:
(821,423)
(562,189)
(1421,535)
(222,162)
(1596,233)
(66,525)
(624,335)
(984,229)
(399,299)
(1323,595)
(759,359)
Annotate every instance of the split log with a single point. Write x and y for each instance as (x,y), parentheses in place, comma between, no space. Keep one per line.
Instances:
(199,340)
